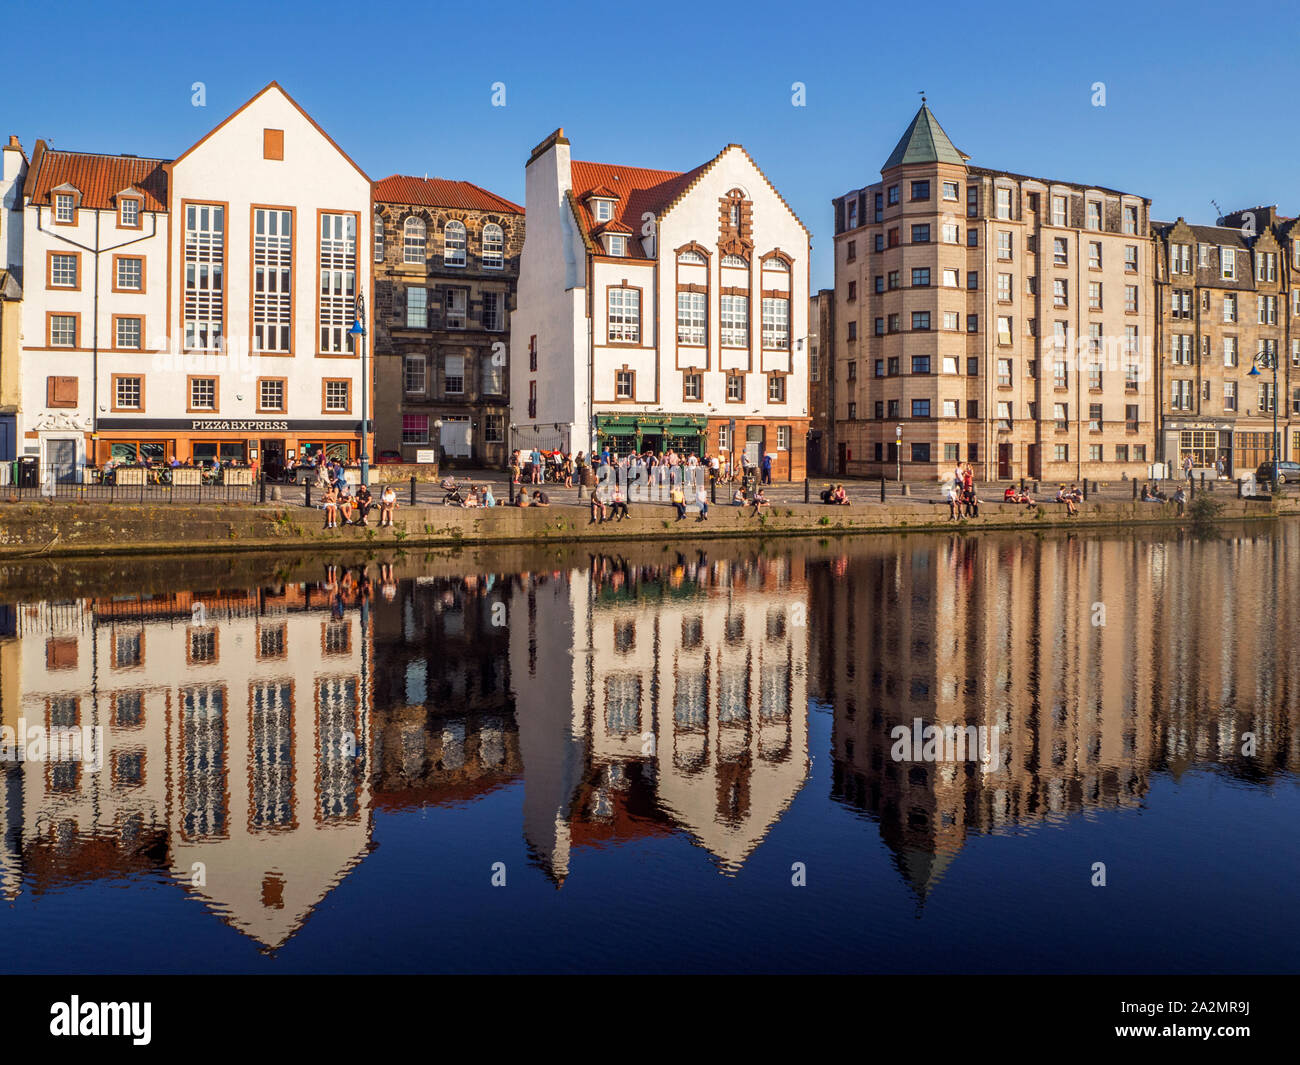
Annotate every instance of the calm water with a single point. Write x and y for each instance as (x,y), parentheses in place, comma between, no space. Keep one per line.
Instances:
(657,761)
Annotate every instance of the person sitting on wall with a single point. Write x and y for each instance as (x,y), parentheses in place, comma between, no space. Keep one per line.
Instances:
(760,500)
(840,497)
(738,497)
(330,504)
(1062,496)
(387,504)
(541,499)
(364,503)
(485,493)
(1180,497)
(618,507)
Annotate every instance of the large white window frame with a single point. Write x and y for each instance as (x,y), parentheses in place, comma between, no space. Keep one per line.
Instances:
(453,243)
(338,279)
(413,241)
(623,323)
(203,307)
(494,247)
(272,280)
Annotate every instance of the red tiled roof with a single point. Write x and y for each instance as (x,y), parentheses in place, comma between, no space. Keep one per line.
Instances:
(638,190)
(441,192)
(98,177)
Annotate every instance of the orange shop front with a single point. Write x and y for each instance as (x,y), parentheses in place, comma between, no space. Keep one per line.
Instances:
(252,440)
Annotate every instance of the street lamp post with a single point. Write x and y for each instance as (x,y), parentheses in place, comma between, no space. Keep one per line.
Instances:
(898,451)
(358,333)
(1268,359)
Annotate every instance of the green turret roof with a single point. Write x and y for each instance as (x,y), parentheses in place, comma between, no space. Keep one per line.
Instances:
(924,142)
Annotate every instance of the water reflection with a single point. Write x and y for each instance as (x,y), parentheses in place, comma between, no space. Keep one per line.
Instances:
(246,738)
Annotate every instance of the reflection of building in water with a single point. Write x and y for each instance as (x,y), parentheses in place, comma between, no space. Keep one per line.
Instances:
(234,739)
(657,696)
(1092,664)
(444,717)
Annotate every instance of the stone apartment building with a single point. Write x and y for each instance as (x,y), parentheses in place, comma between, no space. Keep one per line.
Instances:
(989,317)
(1228,302)
(13,172)
(821,383)
(446,265)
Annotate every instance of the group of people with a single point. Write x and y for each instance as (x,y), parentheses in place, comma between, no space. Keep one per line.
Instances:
(835,496)
(963,500)
(538,466)
(1071,497)
(340,501)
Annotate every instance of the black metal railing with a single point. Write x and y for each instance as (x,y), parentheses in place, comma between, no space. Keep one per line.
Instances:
(25,482)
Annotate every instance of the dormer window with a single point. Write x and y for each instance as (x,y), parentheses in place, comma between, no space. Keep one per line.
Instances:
(65,209)
(128,210)
(616,244)
(604,210)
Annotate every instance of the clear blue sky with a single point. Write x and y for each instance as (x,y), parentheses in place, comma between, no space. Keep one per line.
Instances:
(1199,98)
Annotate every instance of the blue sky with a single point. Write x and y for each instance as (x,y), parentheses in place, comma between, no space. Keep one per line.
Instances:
(1198,97)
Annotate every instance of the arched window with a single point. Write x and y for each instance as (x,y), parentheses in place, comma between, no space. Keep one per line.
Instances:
(494,244)
(735,260)
(690,256)
(379,237)
(776,263)
(413,241)
(453,248)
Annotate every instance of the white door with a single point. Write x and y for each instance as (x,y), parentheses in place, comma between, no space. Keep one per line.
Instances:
(455,437)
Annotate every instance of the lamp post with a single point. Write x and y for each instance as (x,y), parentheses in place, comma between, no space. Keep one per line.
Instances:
(358,334)
(1268,360)
(898,451)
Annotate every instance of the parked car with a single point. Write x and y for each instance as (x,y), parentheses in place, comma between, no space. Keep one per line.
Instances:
(385,458)
(1287,472)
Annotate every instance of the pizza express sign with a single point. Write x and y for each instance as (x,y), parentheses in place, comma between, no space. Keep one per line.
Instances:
(211,425)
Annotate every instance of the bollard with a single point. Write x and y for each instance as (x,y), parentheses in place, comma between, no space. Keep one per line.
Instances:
(1022,486)
(1240,493)
(882,487)
(412,489)
(1135,488)
(261,486)
(713,489)
(1036,489)
(307,486)
(805,489)
(1085,489)
(1192,493)
(907,490)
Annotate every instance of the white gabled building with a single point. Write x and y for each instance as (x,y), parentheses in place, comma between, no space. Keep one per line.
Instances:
(661,310)
(195,308)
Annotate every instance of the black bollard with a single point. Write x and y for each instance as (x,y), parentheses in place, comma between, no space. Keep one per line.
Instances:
(261,486)
(805,489)
(882,487)
(412,489)
(307,486)
(1085,489)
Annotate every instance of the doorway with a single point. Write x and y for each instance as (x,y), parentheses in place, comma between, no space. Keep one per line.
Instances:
(754,443)
(1004,462)
(61,457)
(1034,470)
(271,456)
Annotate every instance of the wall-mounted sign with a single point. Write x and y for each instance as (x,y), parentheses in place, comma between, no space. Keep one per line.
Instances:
(426,456)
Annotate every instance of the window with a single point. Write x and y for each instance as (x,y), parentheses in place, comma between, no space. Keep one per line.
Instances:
(951,279)
(1058,211)
(892,366)
(1130,220)
(63,271)
(893,195)
(128,275)
(921,277)
(1229,351)
(453,244)
(1094,452)
(691,318)
(951,190)
(1094,255)
(972,280)
(379,238)
(776,325)
(127,333)
(735,388)
(1227,264)
(1061,452)
(893,279)
(624,384)
(1131,298)
(1229,308)
(604,209)
(493,319)
(1180,258)
(951,320)
(1060,251)
(1267,309)
(128,393)
(921,320)
(1094,417)
(455,307)
(1004,373)
(494,428)
(270,394)
(776,389)
(492,376)
(950,408)
(64,208)
(951,233)
(203,393)
(616,244)
(1004,416)
(851,251)
(415,428)
(1004,329)
(972,323)
(272,280)
(414,374)
(63,331)
(879,326)
(494,247)
(1060,293)
(920,364)
(624,323)
(1004,288)
(1061,415)
(921,234)
(1004,244)
(734,311)
(972,237)
(453,374)
(417,308)
(921,452)
(413,248)
(1003,203)
(338,280)
(950,364)
(1130,258)
(920,190)
(692,386)
(1094,295)
(338,396)
(1094,214)
(851,214)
